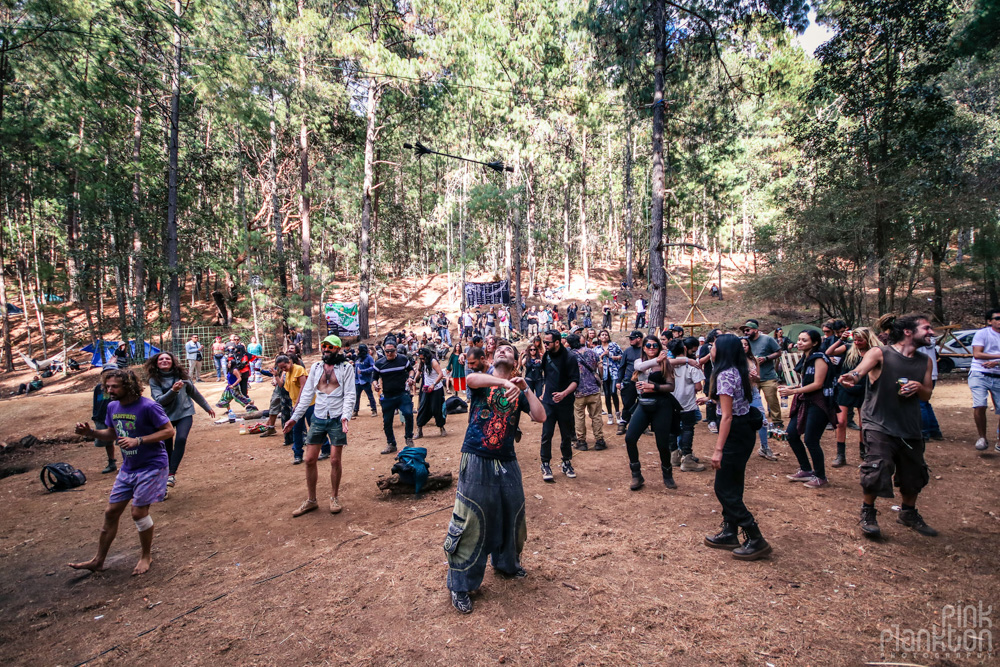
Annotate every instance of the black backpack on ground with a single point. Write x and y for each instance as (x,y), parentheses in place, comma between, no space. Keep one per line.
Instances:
(455,406)
(61,476)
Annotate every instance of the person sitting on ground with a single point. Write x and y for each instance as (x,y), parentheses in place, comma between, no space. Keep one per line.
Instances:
(28,387)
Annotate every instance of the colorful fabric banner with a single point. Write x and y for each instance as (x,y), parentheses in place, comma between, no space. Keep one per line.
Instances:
(341,319)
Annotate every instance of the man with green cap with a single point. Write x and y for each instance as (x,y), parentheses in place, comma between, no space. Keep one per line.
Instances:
(331,382)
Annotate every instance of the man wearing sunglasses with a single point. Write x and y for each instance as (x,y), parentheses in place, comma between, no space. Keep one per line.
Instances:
(626,367)
(561,376)
(984,374)
(331,383)
(392,378)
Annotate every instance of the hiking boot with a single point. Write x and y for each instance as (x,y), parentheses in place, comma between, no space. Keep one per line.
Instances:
(755,545)
(567,469)
(268,432)
(519,573)
(637,480)
(675,458)
(409,442)
(323,456)
(713,427)
(443,432)
(581,445)
(816,483)
(668,477)
(111,467)
(912,519)
(982,444)
(600,444)
(840,461)
(171,480)
(389,449)
(547,473)
(335,506)
(306,507)
(869,523)
(688,464)
(621,429)
(800,475)
(725,538)
(420,433)
(462,602)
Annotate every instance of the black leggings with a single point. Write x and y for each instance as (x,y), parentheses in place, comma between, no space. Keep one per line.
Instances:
(810,422)
(660,417)
(610,394)
(176,444)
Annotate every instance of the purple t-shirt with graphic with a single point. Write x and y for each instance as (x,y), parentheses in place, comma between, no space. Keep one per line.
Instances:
(141,417)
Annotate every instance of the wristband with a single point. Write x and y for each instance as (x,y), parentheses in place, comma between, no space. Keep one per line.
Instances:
(138,441)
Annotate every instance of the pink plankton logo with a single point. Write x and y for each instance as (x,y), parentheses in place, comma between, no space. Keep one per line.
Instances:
(964,632)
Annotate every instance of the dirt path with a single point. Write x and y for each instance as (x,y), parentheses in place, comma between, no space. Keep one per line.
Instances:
(615,577)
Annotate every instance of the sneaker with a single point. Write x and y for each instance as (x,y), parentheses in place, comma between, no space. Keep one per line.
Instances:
(800,475)
(839,462)
(567,469)
(335,506)
(171,480)
(816,483)
(389,449)
(322,456)
(409,442)
(912,519)
(869,523)
(297,460)
(462,602)
(713,427)
(420,433)
(829,427)
(111,467)
(611,420)
(854,427)
(675,458)
(767,454)
(519,573)
(443,432)
(690,465)
(621,428)
(982,444)
(997,446)
(547,475)
(600,445)
(581,445)
(374,412)
(306,507)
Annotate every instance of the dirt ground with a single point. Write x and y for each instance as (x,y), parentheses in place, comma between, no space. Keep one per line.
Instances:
(616,577)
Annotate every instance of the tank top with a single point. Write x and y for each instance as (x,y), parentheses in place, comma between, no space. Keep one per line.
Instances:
(884,410)
(432,378)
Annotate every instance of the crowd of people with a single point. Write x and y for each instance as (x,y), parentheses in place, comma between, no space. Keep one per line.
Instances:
(578,381)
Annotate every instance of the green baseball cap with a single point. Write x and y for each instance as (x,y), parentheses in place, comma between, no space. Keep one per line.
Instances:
(332,340)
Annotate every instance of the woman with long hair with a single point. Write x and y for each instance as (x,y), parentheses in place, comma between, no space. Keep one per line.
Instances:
(531,364)
(610,354)
(431,392)
(754,366)
(731,389)
(654,380)
(170,386)
(810,411)
(218,354)
(456,369)
(490,347)
(853,397)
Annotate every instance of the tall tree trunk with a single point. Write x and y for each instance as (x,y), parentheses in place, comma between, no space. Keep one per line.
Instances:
(567,247)
(138,267)
(275,211)
(530,185)
(368,193)
(583,214)
(515,319)
(173,148)
(304,202)
(937,258)
(657,276)
(628,205)
(8,362)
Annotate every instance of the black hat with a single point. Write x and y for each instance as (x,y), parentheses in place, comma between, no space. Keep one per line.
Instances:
(635,334)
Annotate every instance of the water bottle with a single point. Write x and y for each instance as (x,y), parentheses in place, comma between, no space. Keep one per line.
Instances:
(232,416)
(784,401)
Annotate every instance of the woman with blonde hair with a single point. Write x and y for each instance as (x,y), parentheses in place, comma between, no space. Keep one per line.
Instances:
(851,398)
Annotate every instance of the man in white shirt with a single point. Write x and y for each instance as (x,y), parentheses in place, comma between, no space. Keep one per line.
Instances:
(688,383)
(640,313)
(331,382)
(984,374)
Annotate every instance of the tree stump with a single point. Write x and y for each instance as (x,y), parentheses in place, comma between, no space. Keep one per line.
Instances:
(398,488)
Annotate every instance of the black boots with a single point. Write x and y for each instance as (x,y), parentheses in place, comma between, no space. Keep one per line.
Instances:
(755,545)
(841,459)
(600,445)
(668,477)
(869,522)
(637,480)
(725,538)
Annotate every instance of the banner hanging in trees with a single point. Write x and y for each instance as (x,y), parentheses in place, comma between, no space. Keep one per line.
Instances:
(484,294)
(341,319)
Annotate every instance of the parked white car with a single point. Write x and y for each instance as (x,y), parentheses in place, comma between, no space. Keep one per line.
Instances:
(954,345)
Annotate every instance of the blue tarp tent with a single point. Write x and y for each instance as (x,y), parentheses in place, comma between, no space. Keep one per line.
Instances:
(12,309)
(109,351)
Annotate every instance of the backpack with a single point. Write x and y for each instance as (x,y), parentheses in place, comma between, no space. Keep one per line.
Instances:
(455,406)
(61,476)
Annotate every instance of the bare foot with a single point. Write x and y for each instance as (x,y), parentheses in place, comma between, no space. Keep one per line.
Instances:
(93,565)
(142,566)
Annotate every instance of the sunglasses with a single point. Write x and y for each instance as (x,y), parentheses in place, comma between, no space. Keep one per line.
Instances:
(652,345)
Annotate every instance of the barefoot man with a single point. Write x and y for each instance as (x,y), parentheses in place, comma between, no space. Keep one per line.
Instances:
(139,426)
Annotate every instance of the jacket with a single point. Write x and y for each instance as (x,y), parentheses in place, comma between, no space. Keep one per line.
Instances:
(177,404)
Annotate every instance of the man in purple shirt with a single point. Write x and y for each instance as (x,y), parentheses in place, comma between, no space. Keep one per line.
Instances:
(139,426)
(588,395)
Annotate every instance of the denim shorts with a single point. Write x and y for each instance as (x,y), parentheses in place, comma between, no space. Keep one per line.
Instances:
(320,428)
(982,384)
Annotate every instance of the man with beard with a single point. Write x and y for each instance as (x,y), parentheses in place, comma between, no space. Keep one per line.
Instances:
(393,379)
(488,518)
(562,375)
(139,425)
(331,382)
(626,367)
(899,378)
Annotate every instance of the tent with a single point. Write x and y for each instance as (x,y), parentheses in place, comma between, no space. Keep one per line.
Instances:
(12,309)
(793,330)
(109,351)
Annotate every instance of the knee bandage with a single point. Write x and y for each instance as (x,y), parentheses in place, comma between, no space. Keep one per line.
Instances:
(144,524)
